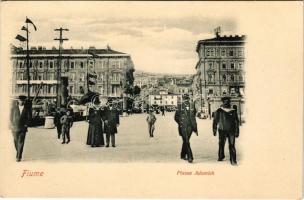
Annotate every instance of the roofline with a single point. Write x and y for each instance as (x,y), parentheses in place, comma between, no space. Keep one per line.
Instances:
(70,55)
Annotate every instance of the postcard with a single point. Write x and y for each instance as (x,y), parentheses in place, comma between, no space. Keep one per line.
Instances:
(144,99)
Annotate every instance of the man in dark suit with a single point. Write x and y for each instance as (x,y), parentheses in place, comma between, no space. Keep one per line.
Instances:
(185,118)
(227,123)
(111,123)
(20,118)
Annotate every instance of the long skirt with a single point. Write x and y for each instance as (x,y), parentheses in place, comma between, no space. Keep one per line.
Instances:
(95,136)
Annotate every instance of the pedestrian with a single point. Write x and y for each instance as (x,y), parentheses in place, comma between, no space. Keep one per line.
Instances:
(151,119)
(227,123)
(66,122)
(58,115)
(111,123)
(163,111)
(95,132)
(20,117)
(185,118)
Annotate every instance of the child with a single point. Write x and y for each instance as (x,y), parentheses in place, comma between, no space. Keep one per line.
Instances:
(66,122)
(151,119)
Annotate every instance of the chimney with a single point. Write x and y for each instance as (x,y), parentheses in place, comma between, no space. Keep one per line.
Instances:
(53,48)
(39,47)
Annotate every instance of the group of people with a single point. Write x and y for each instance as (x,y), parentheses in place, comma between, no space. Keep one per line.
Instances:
(225,122)
(104,120)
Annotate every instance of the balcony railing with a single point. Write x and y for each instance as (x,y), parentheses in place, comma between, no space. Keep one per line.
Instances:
(37,81)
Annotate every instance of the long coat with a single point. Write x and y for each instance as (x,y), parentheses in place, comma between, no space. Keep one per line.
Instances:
(95,136)
(186,121)
(20,121)
(111,120)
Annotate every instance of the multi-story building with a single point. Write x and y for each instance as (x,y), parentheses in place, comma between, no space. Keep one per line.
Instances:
(109,65)
(220,70)
(165,100)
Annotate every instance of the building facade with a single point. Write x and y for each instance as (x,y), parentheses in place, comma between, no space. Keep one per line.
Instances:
(220,71)
(110,67)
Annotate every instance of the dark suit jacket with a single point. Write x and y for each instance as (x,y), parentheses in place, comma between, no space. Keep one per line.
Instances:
(186,120)
(111,121)
(20,121)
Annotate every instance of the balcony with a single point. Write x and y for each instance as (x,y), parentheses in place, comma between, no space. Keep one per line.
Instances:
(37,82)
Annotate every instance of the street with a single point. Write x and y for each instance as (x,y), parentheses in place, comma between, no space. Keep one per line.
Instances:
(133,143)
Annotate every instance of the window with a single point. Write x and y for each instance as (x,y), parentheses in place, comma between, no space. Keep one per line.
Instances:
(230,53)
(241,78)
(71,89)
(51,64)
(224,78)
(240,65)
(40,77)
(20,64)
(81,65)
(81,78)
(208,52)
(172,102)
(49,89)
(209,77)
(224,65)
(210,91)
(223,53)
(40,64)
(212,52)
(72,65)
(232,78)
(240,52)
(72,77)
(210,66)
(31,64)
(232,65)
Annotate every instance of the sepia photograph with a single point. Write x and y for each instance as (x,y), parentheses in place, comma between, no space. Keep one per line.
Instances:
(165,92)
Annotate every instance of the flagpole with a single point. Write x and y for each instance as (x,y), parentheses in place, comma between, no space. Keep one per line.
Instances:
(27,62)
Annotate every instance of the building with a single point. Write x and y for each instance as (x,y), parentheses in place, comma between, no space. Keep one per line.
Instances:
(220,71)
(165,100)
(109,65)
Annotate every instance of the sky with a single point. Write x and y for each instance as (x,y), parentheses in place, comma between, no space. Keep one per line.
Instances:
(161,37)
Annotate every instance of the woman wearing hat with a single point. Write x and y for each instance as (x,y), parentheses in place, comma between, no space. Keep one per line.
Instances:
(95,136)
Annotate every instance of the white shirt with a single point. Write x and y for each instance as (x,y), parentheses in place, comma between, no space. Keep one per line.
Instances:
(21,108)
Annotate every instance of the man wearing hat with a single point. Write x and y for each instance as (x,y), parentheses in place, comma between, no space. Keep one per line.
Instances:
(227,123)
(20,117)
(185,118)
(111,119)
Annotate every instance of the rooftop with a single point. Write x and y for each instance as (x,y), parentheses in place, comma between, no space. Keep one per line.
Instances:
(231,39)
(42,50)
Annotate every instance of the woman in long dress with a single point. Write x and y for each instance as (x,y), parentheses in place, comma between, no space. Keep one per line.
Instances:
(95,132)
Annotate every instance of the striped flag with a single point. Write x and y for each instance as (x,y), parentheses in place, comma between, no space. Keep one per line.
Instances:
(30,21)
(20,38)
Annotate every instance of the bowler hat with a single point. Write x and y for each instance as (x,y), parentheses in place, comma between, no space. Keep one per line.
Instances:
(22,97)
(226,98)
(186,97)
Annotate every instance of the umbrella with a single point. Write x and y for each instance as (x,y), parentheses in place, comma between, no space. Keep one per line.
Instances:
(86,98)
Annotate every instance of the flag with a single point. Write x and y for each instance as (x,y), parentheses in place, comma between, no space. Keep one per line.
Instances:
(86,98)
(91,82)
(92,75)
(24,28)
(20,38)
(30,21)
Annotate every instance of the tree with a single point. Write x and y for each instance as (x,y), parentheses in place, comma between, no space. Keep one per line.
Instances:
(136,90)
